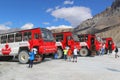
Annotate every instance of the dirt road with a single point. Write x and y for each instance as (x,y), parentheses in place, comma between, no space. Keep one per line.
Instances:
(87,68)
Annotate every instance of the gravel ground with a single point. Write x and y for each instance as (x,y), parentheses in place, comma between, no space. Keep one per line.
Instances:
(87,68)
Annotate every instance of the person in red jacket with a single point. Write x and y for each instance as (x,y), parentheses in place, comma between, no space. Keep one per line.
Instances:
(69,54)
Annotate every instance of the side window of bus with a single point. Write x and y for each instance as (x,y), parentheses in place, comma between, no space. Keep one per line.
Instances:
(86,38)
(36,36)
(81,38)
(4,39)
(10,38)
(29,35)
(18,37)
(59,37)
(26,36)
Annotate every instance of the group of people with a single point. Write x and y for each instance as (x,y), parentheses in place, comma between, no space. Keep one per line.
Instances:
(69,54)
(102,51)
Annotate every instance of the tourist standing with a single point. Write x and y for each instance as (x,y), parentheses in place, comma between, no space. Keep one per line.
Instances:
(75,54)
(116,52)
(31,57)
(69,54)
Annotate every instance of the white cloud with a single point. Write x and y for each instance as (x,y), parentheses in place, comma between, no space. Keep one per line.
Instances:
(60,26)
(27,26)
(4,27)
(75,15)
(68,2)
(49,10)
(46,23)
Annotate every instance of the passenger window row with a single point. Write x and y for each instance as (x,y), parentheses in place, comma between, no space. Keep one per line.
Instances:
(15,37)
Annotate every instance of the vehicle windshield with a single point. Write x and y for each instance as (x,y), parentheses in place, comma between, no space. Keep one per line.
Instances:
(83,38)
(47,35)
(75,37)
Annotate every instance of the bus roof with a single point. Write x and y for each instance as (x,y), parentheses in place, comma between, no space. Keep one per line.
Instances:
(19,30)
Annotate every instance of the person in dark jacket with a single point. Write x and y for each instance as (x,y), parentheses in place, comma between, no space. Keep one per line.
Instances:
(31,58)
(116,52)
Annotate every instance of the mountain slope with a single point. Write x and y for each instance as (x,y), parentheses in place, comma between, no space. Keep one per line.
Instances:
(104,24)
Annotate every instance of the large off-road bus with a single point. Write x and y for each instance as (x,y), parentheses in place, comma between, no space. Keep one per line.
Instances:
(89,42)
(19,43)
(64,39)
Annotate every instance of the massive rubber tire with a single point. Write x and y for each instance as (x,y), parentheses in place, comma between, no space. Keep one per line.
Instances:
(84,52)
(23,57)
(39,58)
(60,53)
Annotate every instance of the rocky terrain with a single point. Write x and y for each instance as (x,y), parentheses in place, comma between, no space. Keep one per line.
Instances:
(61,30)
(105,24)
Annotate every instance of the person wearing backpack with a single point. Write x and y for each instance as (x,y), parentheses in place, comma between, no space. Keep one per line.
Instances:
(116,52)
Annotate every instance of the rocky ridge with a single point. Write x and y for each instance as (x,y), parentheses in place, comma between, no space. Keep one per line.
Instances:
(104,24)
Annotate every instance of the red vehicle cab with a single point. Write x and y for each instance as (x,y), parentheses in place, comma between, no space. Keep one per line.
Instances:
(19,43)
(109,44)
(89,42)
(64,39)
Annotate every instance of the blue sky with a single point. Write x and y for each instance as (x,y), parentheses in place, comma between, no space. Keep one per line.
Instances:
(48,13)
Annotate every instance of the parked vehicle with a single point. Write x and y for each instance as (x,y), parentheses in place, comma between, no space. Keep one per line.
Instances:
(109,45)
(89,42)
(64,39)
(19,43)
